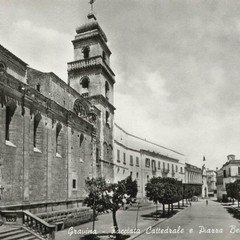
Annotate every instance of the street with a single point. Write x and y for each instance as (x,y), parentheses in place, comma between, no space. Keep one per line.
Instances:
(200,221)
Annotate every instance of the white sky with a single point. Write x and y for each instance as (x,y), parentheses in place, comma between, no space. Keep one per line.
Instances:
(176,64)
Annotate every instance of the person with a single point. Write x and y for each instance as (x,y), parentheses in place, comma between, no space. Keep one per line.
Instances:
(206,202)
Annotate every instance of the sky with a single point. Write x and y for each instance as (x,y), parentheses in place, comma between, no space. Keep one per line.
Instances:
(176,64)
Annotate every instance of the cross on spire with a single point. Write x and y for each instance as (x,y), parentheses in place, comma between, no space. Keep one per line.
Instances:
(91,3)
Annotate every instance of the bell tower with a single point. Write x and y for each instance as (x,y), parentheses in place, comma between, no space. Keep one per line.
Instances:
(91,76)
(90,73)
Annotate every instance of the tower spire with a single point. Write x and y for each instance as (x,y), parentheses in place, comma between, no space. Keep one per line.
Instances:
(91,3)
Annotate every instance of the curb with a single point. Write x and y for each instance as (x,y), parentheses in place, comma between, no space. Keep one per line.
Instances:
(154,225)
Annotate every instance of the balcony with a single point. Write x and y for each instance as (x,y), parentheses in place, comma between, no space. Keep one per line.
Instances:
(96,61)
(165,172)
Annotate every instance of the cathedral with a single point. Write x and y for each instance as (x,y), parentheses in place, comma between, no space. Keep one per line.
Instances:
(54,134)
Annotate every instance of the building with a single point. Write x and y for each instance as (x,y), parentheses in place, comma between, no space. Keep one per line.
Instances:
(143,160)
(221,191)
(211,182)
(230,173)
(55,134)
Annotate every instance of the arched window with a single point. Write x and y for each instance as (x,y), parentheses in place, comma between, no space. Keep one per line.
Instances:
(2,67)
(86,51)
(38,87)
(59,136)
(37,132)
(81,140)
(106,89)
(85,86)
(10,110)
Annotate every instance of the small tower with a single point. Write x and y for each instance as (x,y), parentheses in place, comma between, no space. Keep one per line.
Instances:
(204,182)
(90,75)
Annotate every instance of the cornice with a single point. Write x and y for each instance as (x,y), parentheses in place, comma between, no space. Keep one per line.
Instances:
(103,101)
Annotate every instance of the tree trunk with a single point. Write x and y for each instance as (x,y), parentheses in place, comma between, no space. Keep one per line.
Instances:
(172,207)
(163,209)
(183,202)
(168,209)
(115,221)
(178,204)
(156,210)
(94,216)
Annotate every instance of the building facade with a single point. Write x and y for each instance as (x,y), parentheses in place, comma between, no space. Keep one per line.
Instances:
(54,135)
(143,160)
(231,172)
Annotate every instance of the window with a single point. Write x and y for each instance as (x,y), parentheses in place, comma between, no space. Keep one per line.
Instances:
(106,89)
(153,165)
(59,140)
(38,87)
(107,118)
(159,165)
(147,178)
(181,170)
(130,174)
(10,110)
(97,155)
(164,166)
(147,162)
(136,175)
(229,171)
(131,160)
(176,168)
(37,132)
(238,170)
(137,161)
(172,168)
(104,56)
(74,184)
(81,140)
(86,51)
(2,68)
(118,155)
(168,166)
(85,86)
(124,158)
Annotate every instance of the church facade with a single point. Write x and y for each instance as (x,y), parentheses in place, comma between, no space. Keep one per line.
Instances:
(54,135)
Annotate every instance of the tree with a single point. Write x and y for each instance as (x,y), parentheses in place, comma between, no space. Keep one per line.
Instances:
(237,190)
(230,188)
(154,190)
(103,196)
(118,193)
(95,200)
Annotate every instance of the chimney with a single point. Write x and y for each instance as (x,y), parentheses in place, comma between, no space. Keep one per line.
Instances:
(231,157)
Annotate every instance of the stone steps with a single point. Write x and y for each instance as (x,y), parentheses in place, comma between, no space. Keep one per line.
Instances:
(17,233)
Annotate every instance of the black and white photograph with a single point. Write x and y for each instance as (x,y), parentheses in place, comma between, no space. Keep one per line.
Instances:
(119,119)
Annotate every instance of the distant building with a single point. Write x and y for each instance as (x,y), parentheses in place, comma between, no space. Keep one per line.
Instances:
(221,191)
(229,173)
(211,182)
(143,160)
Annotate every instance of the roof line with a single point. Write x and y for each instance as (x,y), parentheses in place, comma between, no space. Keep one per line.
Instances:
(148,141)
(13,55)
